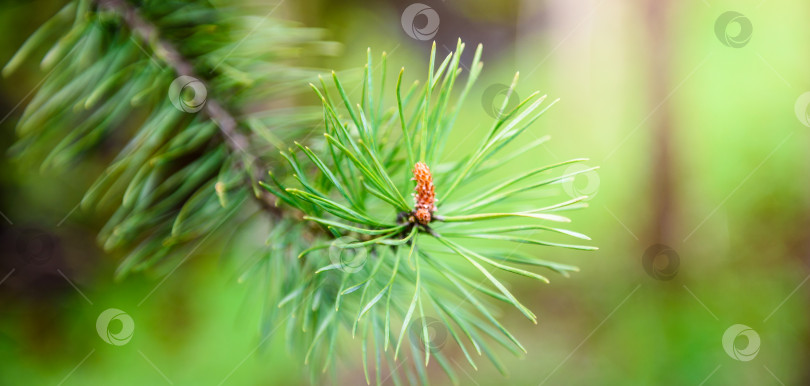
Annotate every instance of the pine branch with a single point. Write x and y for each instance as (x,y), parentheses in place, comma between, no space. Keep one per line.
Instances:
(376,264)
(167,53)
(174,181)
(383,247)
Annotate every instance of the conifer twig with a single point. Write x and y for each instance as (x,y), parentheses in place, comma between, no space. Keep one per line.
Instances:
(168,53)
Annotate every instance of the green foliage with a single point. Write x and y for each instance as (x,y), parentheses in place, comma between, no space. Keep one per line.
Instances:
(344,250)
(393,270)
(175,178)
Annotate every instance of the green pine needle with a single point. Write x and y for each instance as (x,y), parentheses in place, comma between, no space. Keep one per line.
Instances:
(347,251)
(365,163)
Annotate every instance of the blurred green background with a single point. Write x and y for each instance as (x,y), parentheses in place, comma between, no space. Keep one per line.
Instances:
(700,146)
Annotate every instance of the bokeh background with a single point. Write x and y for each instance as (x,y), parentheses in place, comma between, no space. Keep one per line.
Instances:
(701,134)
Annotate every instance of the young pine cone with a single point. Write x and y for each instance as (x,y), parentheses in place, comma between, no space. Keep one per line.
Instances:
(425,196)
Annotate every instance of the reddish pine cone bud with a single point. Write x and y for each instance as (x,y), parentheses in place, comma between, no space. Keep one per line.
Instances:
(422,216)
(425,197)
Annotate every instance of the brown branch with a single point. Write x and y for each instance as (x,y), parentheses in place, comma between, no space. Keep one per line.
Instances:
(166,52)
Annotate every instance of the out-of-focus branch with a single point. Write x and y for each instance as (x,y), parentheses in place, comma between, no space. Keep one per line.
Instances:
(168,53)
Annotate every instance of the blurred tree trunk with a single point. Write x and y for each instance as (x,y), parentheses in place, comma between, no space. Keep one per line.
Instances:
(662,180)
